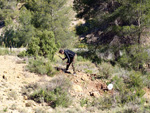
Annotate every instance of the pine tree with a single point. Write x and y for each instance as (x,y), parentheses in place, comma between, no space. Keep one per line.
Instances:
(43,44)
(126,19)
(52,15)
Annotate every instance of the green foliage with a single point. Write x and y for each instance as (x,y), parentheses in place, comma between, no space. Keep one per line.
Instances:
(43,44)
(115,26)
(83,102)
(52,15)
(130,88)
(80,58)
(119,83)
(40,66)
(135,80)
(23,20)
(4,51)
(81,30)
(7,9)
(105,70)
(5,109)
(22,54)
(55,98)
(115,14)
(134,58)
(103,102)
(19,35)
(54,92)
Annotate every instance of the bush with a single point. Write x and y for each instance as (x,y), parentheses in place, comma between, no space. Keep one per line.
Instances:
(80,58)
(55,92)
(103,102)
(119,84)
(81,29)
(54,98)
(135,80)
(134,58)
(83,102)
(105,70)
(43,44)
(22,54)
(86,67)
(4,51)
(40,66)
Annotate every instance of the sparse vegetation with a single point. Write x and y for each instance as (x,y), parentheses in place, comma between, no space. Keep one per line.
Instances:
(41,66)
(22,54)
(5,51)
(83,102)
(112,49)
(54,94)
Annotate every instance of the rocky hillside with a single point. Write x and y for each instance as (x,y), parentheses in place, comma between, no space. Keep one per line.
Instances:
(15,80)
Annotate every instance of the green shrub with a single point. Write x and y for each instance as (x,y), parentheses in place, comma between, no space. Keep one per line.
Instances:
(134,58)
(119,84)
(55,93)
(40,66)
(103,102)
(105,70)
(80,58)
(129,88)
(4,51)
(22,54)
(43,44)
(146,81)
(83,102)
(135,80)
(55,98)
(81,29)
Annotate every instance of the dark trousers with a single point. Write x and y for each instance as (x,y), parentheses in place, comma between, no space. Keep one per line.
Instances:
(69,63)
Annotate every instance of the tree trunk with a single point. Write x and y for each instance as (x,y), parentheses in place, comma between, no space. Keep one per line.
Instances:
(139,38)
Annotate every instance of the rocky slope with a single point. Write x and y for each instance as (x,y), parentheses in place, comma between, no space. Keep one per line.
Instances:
(14,79)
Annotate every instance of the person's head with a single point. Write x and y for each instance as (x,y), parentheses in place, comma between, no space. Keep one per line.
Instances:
(61,51)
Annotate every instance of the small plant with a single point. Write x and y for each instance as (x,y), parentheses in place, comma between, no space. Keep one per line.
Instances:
(83,102)
(134,58)
(5,109)
(105,70)
(22,54)
(103,102)
(54,98)
(41,67)
(136,80)
(55,93)
(4,51)
(81,29)
(80,58)
(118,83)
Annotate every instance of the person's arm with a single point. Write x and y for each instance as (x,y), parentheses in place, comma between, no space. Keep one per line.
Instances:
(67,55)
(64,58)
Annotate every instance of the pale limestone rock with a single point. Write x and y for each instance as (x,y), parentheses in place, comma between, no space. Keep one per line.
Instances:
(77,88)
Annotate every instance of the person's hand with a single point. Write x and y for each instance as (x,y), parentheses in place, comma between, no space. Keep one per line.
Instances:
(67,63)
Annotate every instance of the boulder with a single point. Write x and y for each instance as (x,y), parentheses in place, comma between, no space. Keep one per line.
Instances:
(77,88)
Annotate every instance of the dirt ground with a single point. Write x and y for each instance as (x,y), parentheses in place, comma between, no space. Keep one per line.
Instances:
(13,77)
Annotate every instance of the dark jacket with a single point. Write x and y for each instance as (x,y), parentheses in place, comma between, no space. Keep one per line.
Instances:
(69,55)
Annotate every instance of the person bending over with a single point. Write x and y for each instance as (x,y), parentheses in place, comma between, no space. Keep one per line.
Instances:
(70,55)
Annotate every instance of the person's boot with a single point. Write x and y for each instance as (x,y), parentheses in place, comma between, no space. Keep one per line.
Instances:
(66,71)
(74,73)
